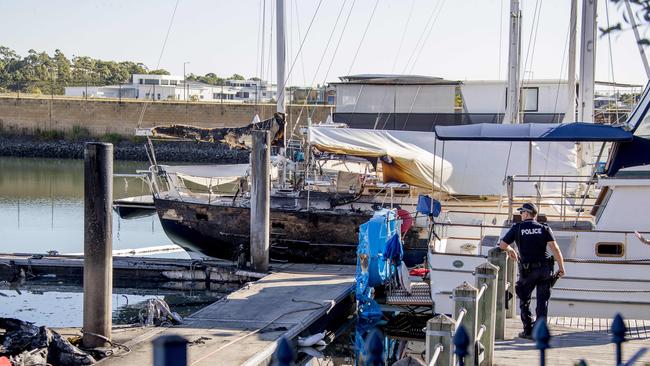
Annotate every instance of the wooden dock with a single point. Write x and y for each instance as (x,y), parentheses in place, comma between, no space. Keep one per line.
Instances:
(244,327)
(570,344)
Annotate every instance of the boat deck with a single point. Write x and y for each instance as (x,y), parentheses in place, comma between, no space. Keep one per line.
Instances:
(244,327)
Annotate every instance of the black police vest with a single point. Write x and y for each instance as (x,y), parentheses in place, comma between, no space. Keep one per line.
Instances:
(532,240)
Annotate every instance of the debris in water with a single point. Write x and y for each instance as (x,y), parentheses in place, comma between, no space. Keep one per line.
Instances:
(26,344)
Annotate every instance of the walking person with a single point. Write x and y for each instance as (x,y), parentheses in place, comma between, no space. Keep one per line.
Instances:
(535,263)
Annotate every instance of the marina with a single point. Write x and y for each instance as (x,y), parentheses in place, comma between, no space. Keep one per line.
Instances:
(383,216)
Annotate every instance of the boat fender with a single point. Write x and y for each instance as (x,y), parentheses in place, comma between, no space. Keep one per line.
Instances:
(404,279)
(312,340)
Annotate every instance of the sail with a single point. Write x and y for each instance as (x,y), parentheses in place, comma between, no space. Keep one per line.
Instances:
(238,137)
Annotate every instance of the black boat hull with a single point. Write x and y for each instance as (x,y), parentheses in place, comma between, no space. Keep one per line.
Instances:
(300,236)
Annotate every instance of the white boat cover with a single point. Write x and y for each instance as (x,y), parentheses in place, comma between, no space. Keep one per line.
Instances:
(209,171)
(470,167)
(408,158)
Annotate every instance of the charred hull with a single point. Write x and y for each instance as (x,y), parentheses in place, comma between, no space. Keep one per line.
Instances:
(300,236)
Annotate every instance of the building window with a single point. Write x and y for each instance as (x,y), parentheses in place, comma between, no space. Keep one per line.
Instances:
(164,82)
(173,82)
(608,249)
(530,99)
(141,81)
(152,81)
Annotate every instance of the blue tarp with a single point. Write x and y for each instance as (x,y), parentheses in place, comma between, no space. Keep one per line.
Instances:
(428,206)
(576,131)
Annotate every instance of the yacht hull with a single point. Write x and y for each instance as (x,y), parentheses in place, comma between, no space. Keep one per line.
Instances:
(300,236)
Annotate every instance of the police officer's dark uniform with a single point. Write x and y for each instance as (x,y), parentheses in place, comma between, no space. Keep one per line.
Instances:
(535,265)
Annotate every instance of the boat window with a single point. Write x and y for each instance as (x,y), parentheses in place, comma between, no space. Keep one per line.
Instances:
(608,249)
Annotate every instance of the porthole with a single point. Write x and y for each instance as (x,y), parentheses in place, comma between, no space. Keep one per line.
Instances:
(610,249)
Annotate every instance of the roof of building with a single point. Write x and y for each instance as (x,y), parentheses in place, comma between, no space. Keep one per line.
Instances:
(393,79)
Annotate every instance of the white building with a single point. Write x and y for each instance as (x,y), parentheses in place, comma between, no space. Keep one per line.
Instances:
(541,100)
(411,102)
(174,87)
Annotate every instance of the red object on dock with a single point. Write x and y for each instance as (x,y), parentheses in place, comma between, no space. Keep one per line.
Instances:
(407,220)
(4,361)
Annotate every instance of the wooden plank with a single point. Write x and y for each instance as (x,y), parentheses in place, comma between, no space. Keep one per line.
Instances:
(569,345)
(243,328)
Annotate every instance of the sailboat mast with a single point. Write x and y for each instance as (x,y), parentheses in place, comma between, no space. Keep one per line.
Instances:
(644,59)
(587,60)
(281,50)
(514,55)
(570,114)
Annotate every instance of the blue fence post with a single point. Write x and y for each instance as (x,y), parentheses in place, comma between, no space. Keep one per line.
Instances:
(542,338)
(461,343)
(170,350)
(618,336)
(375,349)
(284,355)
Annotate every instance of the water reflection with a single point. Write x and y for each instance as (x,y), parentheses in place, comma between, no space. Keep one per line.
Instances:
(41,207)
(57,304)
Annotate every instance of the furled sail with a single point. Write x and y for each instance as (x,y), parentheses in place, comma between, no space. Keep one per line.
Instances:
(238,137)
(403,158)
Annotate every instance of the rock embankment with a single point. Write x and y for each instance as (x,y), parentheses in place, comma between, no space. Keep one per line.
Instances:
(172,151)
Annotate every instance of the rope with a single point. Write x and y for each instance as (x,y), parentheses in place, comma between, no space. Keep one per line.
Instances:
(417,44)
(260,329)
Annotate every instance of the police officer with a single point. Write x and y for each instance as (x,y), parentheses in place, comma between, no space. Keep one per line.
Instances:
(535,263)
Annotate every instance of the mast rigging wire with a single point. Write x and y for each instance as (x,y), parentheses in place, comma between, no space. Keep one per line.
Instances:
(322,58)
(401,42)
(426,39)
(363,37)
(417,44)
(162,51)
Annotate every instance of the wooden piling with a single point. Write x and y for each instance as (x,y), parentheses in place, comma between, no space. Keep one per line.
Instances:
(440,330)
(497,257)
(260,200)
(465,298)
(98,244)
(486,274)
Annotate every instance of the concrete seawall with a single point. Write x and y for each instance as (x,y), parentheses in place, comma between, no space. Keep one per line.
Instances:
(26,114)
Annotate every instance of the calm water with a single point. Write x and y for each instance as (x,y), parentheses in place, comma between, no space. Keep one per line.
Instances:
(41,207)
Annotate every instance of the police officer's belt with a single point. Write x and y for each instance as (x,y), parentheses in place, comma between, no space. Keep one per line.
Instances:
(535,264)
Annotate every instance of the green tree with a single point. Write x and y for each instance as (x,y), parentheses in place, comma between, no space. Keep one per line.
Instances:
(159,72)
(237,77)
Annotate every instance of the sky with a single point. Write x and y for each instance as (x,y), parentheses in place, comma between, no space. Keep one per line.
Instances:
(453,39)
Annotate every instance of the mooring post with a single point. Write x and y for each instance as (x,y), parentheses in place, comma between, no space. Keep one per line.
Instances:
(98,244)
(465,301)
(497,257)
(260,201)
(511,278)
(440,331)
(170,350)
(486,275)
